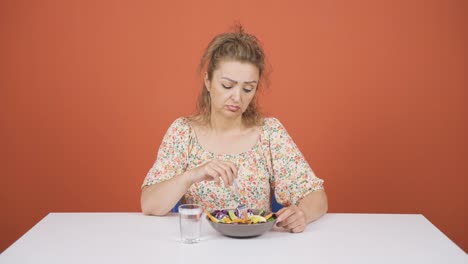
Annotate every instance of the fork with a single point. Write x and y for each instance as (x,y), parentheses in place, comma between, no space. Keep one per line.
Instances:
(236,189)
(242,208)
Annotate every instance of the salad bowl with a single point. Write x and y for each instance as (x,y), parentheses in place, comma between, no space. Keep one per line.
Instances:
(231,223)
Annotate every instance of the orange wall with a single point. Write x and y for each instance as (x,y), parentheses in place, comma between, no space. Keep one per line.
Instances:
(373,92)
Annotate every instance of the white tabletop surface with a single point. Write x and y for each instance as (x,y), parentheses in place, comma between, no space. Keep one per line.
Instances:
(135,238)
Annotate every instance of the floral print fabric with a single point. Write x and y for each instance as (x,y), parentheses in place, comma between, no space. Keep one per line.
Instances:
(273,164)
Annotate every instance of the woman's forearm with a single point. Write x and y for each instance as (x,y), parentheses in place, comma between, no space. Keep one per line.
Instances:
(314,205)
(159,198)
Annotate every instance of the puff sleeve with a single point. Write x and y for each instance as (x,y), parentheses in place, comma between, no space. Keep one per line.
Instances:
(172,154)
(292,178)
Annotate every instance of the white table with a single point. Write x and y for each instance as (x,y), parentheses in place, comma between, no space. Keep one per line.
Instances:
(135,238)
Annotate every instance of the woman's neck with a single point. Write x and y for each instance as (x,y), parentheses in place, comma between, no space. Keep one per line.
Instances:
(221,124)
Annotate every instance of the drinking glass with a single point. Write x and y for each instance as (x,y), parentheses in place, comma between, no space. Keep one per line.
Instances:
(190,219)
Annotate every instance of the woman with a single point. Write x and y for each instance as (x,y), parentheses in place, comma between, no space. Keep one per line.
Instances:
(227,142)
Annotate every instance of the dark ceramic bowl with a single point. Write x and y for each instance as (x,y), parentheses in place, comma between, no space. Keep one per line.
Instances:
(242,230)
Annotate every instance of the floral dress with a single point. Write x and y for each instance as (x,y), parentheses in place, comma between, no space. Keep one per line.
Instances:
(273,165)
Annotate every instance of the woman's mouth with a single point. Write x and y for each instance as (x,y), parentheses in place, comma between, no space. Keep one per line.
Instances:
(233,108)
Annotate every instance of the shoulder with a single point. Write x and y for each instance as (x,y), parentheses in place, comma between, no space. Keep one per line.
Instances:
(179,126)
(272,124)
(274,129)
(181,122)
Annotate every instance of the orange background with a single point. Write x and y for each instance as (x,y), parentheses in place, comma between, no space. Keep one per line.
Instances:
(373,92)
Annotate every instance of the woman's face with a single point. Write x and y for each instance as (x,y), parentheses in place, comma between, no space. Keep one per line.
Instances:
(232,87)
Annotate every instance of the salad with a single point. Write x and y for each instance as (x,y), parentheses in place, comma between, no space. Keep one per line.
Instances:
(240,215)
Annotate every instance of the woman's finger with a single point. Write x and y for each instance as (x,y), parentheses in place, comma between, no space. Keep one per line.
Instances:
(292,221)
(228,171)
(280,211)
(284,213)
(213,174)
(295,221)
(233,168)
(222,173)
(298,229)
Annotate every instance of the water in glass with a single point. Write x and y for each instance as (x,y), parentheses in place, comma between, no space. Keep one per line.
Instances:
(190,223)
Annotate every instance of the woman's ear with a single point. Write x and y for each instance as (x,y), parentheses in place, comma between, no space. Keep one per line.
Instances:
(207,82)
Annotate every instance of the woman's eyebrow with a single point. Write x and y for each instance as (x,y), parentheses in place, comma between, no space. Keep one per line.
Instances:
(231,80)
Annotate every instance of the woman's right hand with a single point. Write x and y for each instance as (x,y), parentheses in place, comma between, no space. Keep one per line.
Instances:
(215,170)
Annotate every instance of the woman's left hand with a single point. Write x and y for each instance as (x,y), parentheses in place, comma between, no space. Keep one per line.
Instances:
(291,218)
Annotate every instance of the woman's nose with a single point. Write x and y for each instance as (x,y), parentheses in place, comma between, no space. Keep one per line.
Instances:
(236,94)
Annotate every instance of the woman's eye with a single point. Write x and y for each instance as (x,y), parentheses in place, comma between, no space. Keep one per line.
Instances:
(226,86)
(248,90)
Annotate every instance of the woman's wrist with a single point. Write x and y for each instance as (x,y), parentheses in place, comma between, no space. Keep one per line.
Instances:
(314,205)
(186,178)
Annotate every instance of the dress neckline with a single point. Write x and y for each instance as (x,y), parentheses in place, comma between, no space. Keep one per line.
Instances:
(253,148)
